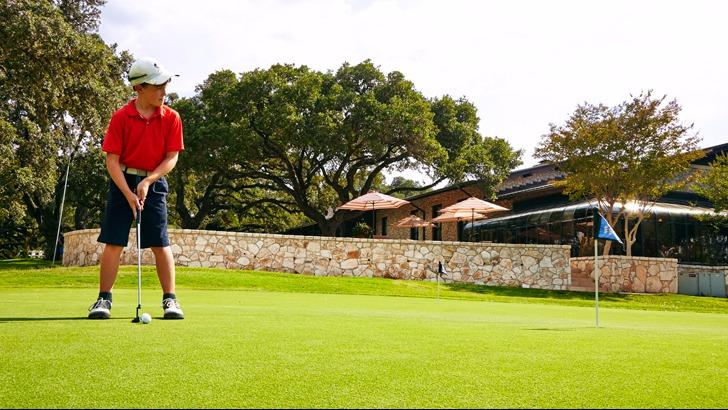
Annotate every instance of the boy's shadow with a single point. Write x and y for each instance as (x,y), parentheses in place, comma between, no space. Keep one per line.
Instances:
(51,319)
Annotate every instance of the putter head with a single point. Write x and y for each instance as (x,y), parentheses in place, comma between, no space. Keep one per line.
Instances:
(135,320)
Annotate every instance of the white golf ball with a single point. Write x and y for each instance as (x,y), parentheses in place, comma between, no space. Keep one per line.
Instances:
(146,318)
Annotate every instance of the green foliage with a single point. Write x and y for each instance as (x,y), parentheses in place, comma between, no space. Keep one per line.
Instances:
(265,151)
(210,191)
(308,141)
(59,84)
(361,230)
(470,156)
(635,151)
(401,187)
(713,183)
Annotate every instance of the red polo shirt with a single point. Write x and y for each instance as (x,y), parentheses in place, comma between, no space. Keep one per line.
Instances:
(140,142)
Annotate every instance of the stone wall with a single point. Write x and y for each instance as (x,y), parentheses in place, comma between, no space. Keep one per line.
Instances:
(536,266)
(630,274)
(701,268)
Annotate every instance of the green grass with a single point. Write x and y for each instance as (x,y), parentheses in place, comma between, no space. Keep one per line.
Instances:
(17,273)
(257,339)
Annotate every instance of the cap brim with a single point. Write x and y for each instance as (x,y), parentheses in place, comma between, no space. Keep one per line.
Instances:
(161,78)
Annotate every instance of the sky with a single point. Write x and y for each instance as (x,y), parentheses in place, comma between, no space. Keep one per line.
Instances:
(523,64)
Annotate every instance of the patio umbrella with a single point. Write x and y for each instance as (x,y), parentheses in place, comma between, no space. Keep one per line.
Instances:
(457,216)
(413,221)
(474,205)
(373,201)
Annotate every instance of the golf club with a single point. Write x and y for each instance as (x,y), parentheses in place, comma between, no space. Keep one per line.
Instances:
(139,264)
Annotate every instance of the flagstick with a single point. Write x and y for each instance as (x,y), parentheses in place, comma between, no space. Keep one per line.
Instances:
(596,277)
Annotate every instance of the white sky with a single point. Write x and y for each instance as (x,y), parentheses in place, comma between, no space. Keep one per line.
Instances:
(524,64)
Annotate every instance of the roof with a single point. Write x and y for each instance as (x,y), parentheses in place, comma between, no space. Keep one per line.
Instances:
(543,215)
(541,175)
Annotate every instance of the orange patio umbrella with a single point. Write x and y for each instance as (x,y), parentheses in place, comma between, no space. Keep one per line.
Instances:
(457,216)
(474,205)
(413,221)
(371,202)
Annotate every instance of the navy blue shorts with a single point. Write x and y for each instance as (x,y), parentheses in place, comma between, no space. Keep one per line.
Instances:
(119,218)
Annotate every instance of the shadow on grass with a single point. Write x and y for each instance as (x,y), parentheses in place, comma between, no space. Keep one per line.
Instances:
(532,293)
(51,319)
(19,264)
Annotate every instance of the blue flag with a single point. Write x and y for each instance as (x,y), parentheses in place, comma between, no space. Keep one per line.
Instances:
(602,229)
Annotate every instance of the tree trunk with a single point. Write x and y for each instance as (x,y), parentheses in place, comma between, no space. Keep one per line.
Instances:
(48,227)
(607,248)
(329,227)
(627,242)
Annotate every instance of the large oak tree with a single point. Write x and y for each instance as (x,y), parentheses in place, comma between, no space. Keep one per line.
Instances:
(310,141)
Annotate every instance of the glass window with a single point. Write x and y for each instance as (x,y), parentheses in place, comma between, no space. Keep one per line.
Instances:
(437,229)
(582,212)
(384,226)
(648,235)
(664,236)
(567,215)
(414,232)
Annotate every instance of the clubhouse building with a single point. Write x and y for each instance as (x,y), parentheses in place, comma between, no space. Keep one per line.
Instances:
(540,213)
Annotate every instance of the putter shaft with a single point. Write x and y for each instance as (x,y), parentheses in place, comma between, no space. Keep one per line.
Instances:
(139,265)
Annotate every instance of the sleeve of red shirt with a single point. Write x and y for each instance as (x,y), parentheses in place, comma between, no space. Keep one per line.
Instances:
(175,141)
(113,139)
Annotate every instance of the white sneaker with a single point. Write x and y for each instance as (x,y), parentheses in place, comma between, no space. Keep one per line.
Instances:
(172,310)
(101,309)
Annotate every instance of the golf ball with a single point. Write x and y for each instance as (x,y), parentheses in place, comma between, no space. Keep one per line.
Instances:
(146,318)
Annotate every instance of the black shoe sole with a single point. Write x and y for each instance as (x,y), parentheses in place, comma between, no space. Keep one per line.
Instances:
(98,315)
(173,317)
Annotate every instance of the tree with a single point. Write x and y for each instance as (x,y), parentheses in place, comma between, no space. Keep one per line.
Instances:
(636,151)
(713,183)
(209,190)
(325,138)
(470,156)
(303,142)
(402,187)
(59,84)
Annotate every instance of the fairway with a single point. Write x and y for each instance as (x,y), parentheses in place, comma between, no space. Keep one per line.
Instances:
(242,348)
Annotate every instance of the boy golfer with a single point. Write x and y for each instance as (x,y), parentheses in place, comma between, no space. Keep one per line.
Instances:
(141,145)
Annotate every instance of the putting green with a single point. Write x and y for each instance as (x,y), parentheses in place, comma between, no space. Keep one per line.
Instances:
(282,349)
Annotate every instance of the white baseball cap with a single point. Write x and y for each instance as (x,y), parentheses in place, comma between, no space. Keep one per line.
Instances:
(148,70)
